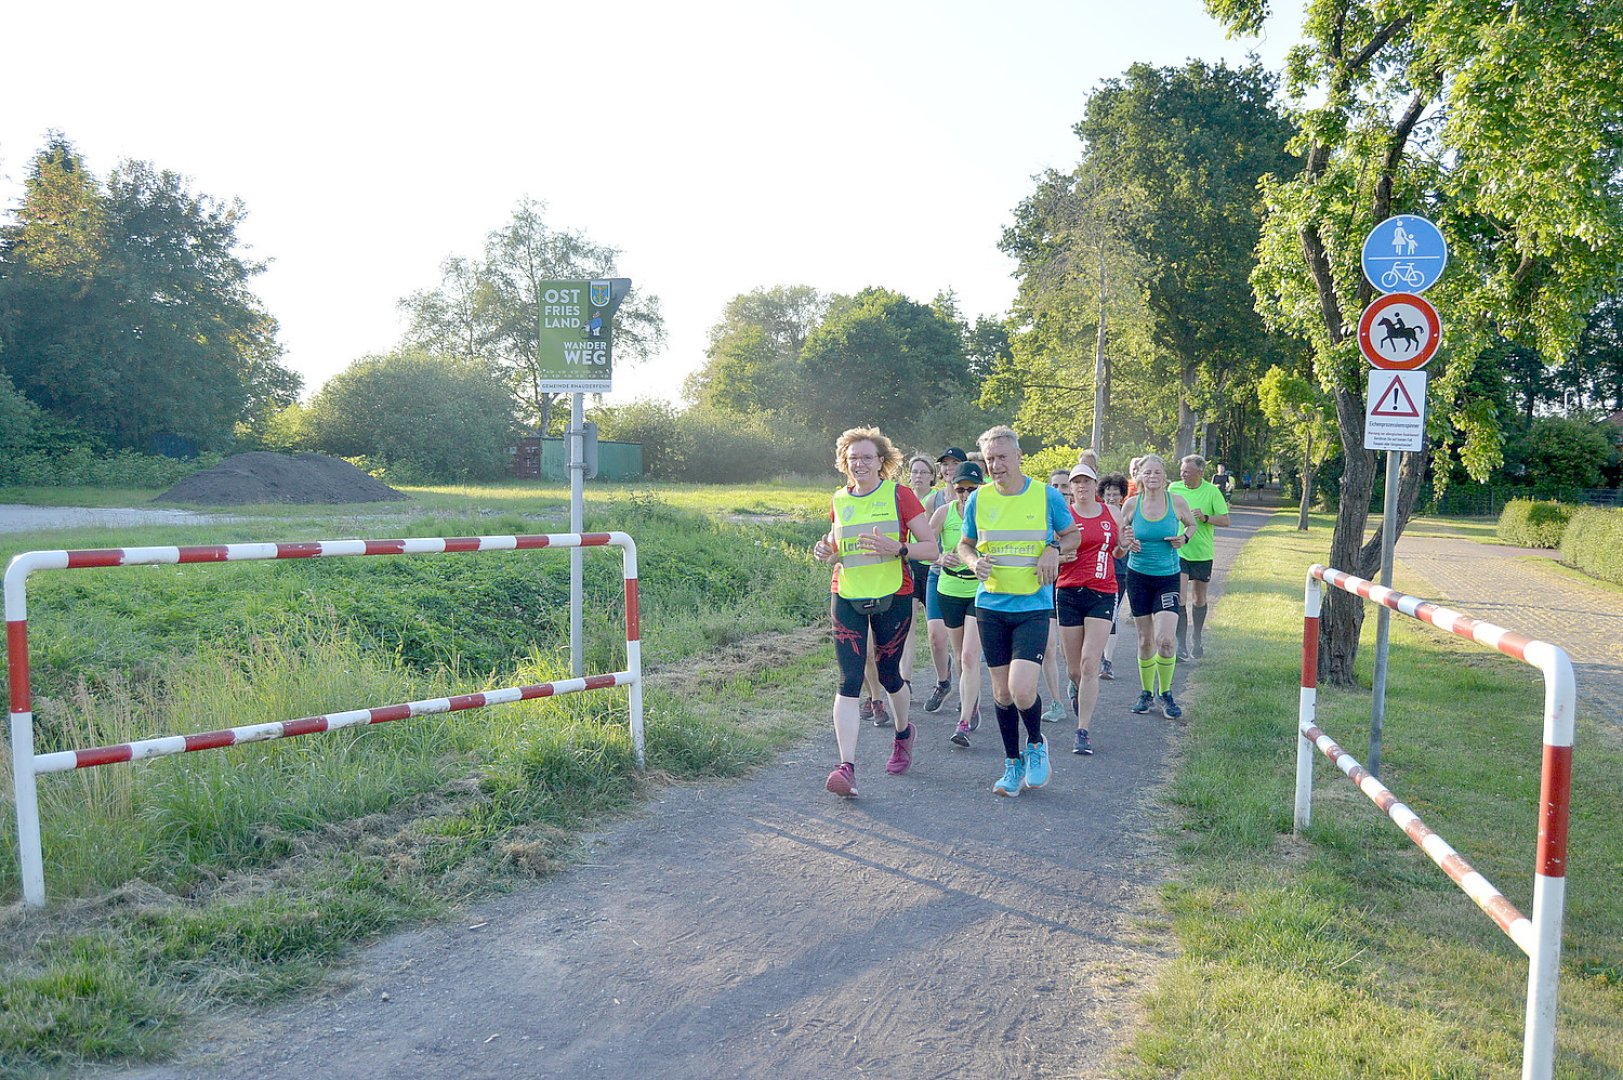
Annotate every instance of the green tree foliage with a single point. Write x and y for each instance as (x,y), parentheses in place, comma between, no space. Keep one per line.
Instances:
(125,308)
(1190,144)
(1305,421)
(1562,453)
(1149,233)
(751,364)
(422,417)
(17,417)
(880,358)
(490,309)
(1497,121)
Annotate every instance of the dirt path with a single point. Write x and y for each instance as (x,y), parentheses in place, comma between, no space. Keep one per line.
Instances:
(16,517)
(766,928)
(1509,586)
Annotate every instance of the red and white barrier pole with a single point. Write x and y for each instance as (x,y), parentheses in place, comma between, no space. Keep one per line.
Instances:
(1308,703)
(26,765)
(1539,937)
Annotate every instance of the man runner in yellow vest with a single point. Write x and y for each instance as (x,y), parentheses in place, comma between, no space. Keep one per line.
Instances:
(1014,532)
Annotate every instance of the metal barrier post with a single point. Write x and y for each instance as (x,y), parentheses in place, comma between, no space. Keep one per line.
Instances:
(1539,937)
(27,765)
(1307,704)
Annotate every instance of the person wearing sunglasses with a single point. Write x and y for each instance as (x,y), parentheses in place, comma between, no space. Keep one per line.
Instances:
(877,526)
(952,599)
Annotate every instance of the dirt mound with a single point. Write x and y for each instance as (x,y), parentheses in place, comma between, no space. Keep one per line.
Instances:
(263,477)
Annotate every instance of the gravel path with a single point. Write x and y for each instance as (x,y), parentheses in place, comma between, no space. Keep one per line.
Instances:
(1505,586)
(766,928)
(16,517)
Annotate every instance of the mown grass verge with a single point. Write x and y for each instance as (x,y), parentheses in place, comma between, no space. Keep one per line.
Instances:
(1346,952)
(242,874)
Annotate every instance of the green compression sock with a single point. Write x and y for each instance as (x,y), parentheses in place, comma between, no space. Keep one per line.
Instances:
(1163,667)
(1146,672)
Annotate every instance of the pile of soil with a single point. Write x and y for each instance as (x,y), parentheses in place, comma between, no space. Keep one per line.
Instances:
(263,477)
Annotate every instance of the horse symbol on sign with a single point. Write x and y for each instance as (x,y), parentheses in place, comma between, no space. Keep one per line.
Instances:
(1396,331)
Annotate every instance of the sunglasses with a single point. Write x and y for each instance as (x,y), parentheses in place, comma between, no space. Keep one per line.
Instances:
(969,490)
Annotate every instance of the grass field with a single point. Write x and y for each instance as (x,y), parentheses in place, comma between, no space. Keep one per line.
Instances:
(241,874)
(1346,952)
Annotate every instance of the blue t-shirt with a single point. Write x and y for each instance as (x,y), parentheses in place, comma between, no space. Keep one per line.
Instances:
(1059,519)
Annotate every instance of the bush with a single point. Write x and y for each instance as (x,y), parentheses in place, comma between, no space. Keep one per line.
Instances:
(1594,543)
(84,468)
(704,445)
(1526,523)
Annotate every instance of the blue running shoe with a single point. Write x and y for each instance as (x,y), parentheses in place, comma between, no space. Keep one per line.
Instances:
(1036,764)
(1169,708)
(1014,777)
(1084,745)
(1145,700)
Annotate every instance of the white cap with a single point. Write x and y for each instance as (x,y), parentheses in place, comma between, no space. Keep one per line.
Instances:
(1082,468)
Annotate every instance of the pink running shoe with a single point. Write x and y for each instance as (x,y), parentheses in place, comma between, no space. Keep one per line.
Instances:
(901,753)
(843,781)
(960,737)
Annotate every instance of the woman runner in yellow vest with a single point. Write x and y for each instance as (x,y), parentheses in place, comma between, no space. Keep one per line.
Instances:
(878,526)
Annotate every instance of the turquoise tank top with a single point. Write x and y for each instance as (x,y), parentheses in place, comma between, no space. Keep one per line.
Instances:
(1157,557)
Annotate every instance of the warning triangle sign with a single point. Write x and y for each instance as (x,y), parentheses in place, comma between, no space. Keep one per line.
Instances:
(1395,401)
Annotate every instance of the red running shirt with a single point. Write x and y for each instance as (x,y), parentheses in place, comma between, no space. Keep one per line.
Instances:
(1094,567)
(908,503)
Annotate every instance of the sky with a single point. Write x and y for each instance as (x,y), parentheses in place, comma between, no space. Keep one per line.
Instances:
(720,146)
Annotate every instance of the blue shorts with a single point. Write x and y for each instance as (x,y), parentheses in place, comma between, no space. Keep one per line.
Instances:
(932,606)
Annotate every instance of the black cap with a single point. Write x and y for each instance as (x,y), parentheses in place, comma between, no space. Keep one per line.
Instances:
(954,454)
(970,472)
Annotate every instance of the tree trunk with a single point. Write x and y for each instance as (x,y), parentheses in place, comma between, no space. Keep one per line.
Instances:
(1343,615)
(1308,476)
(1185,443)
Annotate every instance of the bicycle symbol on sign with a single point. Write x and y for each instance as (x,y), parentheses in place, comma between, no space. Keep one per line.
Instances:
(1404,273)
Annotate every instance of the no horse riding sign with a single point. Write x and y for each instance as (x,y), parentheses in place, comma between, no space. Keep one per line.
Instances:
(1400,332)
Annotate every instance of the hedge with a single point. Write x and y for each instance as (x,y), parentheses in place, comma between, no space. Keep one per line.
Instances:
(1594,543)
(1534,524)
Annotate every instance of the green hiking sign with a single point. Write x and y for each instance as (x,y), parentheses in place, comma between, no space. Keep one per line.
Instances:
(573,352)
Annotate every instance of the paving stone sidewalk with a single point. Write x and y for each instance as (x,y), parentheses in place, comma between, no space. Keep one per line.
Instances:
(1518,588)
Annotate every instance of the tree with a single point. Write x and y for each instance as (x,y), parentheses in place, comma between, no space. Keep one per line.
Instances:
(1147,237)
(491,309)
(423,417)
(1560,453)
(751,363)
(879,358)
(1303,415)
(1190,144)
(1500,123)
(126,308)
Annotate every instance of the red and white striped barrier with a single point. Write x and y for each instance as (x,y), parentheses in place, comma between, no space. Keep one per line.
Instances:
(1540,936)
(26,765)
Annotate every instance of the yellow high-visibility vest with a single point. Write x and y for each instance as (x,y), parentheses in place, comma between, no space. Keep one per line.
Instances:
(863,573)
(1014,528)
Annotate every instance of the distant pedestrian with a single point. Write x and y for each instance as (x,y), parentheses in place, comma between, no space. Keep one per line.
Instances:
(877,525)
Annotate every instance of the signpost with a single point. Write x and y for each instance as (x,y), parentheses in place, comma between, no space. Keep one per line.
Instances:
(574,355)
(1398,334)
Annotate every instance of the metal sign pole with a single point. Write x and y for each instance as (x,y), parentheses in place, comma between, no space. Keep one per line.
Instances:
(1383,618)
(577,524)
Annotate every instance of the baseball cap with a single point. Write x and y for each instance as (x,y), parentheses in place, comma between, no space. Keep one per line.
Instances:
(1082,468)
(954,454)
(968,472)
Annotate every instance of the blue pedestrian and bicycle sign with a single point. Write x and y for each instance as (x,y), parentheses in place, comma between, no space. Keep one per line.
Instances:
(1404,254)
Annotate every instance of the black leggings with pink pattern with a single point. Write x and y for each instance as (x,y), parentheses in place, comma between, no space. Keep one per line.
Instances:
(890,628)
